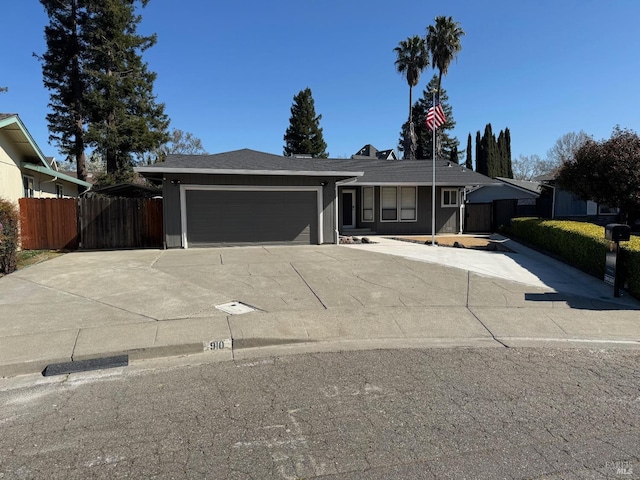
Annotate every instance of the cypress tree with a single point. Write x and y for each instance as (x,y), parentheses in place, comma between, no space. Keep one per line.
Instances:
(507,139)
(501,160)
(304,134)
(469,163)
(481,159)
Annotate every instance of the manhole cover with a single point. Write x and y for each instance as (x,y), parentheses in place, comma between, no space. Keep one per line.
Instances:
(235,308)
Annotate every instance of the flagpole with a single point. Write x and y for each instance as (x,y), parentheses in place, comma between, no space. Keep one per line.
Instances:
(433,178)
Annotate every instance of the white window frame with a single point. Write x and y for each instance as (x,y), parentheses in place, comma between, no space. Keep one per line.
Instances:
(449,205)
(59,190)
(26,191)
(398,205)
(373,205)
(415,204)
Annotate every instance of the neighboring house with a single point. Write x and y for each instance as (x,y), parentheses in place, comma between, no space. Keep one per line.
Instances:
(369,151)
(25,171)
(567,205)
(250,197)
(504,189)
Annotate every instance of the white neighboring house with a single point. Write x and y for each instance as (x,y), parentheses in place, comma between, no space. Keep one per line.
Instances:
(25,171)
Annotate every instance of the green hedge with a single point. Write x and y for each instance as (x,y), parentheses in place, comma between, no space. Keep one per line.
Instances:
(580,244)
(9,240)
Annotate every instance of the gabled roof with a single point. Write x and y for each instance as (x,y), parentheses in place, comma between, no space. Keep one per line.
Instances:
(246,162)
(364,171)
(528,185)
(369,151)
(32,157)
(414,172)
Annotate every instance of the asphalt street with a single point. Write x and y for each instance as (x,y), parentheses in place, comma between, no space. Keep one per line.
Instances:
(460,413)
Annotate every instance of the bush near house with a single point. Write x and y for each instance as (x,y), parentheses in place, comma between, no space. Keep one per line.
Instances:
(9,236)
(582,245)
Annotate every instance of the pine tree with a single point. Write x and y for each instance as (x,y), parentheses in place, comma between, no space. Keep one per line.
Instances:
(101,91)
(63,76)
(469,161)
(424,144)
(453,156)
(125,118)
(304,135)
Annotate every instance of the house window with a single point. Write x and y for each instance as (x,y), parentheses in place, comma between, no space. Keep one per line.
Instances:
(368,204)
(389,204)
(59,190)
(398,204)
(449,197)
(606,210)
(408,203)
(27,182)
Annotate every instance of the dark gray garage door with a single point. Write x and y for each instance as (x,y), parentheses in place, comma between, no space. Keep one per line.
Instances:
(222,217)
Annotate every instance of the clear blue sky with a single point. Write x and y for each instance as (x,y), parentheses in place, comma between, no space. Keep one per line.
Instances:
(228,71)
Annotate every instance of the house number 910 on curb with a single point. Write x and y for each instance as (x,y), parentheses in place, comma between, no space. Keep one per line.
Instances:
(215,345)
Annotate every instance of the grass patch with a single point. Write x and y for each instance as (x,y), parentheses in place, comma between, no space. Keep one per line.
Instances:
(26,258)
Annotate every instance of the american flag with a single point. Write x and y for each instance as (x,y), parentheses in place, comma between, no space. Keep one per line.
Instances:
(435,116)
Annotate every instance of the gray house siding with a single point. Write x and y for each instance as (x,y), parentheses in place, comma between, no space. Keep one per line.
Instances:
(447,219)
(568,205)
(172,208)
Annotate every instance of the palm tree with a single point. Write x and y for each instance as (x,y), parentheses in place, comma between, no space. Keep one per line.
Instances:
(413,58)
(443,42)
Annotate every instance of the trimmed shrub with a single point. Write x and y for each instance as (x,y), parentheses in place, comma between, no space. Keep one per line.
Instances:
(630,260)
(582,245)
(9,240)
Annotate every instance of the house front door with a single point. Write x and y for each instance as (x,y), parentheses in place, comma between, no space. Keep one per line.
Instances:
(348,209)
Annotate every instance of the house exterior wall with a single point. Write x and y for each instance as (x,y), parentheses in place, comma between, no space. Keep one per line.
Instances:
(447,218)
(171,198)
(568,205)
(489,193)
(10,174)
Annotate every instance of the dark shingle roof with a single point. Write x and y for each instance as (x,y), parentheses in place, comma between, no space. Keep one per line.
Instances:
(414,172)
(529,185)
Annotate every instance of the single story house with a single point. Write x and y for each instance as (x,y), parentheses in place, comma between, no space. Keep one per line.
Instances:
(25,171)
(250,197)
(504,189)
(567,205)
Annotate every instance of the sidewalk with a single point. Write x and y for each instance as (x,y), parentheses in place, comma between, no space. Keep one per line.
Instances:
(151,303)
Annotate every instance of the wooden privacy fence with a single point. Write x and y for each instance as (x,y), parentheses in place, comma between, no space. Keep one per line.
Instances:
(91,223)
(48,224)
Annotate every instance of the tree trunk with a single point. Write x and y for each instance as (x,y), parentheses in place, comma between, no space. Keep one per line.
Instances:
(77,100)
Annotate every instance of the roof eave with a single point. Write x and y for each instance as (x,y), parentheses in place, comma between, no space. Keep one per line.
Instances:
(232,171)
(55,174)
(15,119)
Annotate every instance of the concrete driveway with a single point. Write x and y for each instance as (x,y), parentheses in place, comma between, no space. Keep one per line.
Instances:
(149,303)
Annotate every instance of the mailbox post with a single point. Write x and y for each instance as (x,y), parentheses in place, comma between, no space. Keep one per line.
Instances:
(615,233)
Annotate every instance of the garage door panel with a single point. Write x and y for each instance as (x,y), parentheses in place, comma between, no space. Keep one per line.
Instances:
(251,217)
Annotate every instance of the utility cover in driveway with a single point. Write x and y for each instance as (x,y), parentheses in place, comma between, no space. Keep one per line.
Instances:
(235,308)
(236,217)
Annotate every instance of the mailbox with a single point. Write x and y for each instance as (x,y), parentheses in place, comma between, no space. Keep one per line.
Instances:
(617,232)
